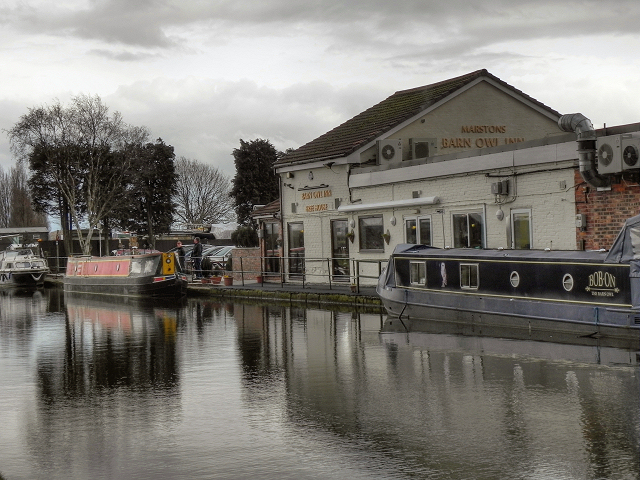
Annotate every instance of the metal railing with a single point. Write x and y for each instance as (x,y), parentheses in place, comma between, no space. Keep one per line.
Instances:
(308,270)
(294,269)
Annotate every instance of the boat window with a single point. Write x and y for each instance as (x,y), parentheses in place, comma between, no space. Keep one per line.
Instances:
(418,273)
(9,265)
(469,275)
(514,278)
(567,282)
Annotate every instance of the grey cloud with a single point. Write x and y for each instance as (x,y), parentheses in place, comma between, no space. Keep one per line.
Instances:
(207,125)
(372,24)
(123,55)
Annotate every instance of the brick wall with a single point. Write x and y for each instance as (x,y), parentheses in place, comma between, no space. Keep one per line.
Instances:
(250,263)
(605,211)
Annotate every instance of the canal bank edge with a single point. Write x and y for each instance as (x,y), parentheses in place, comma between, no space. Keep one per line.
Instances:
(310,297)
(294,294)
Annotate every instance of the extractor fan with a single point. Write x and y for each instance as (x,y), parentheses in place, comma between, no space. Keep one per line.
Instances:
(630,155)
(609,154)
(605,155)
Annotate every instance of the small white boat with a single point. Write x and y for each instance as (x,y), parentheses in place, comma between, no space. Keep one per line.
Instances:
(22,267)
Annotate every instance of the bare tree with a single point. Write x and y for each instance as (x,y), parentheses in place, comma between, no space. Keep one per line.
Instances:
(5,199)
(16,209)
(202,194)
(22,212)
(80,151)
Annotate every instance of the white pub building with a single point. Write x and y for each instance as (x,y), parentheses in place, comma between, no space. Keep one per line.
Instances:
(467,162)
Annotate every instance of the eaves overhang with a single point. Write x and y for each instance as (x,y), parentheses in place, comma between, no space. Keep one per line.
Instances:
(409,202)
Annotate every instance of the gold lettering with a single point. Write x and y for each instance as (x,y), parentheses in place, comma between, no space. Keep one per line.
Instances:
(317,208)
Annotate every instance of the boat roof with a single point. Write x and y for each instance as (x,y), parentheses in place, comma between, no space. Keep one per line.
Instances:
(597,256)
(626,246)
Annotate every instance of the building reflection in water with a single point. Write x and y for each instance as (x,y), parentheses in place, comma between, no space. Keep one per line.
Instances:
(209,389)
(427,401)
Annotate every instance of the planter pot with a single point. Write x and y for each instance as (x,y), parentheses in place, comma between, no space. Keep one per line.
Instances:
(216,280)
(228,281)
(354,288)
(259,278)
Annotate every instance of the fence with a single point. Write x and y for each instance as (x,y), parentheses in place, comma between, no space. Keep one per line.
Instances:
(305,270)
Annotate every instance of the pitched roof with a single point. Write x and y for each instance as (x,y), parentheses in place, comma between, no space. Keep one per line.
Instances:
(267,210)
(375,121)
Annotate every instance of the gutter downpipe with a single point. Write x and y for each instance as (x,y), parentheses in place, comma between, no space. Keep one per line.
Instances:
(581,125)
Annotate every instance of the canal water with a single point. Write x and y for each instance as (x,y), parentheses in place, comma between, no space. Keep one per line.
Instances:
(95,389)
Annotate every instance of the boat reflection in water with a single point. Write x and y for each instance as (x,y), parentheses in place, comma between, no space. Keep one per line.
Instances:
(123,343)
(215,390)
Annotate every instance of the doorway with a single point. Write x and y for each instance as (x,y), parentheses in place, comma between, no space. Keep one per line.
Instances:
(340,251)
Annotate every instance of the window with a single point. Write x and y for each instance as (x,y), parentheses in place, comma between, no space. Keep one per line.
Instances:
(521,229)
(418,273)
(370,231)
(468,230)
(469,275)
(272,246)
(410,230)
(296,248)
(418,230)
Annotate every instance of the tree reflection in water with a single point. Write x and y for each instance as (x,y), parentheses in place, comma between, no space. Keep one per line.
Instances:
(207,389)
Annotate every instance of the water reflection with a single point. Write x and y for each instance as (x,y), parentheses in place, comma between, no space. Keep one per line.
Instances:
(209,389)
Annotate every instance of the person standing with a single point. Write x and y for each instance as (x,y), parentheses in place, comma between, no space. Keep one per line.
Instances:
(180,253)
(196,256)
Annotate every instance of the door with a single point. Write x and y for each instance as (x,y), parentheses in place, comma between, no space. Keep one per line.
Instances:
(340,250)
(296,249)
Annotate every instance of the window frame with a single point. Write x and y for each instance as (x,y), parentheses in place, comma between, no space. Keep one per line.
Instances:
(417,220)
(465,280)
(468,214)
(421,270)
(362,238)
(516,212)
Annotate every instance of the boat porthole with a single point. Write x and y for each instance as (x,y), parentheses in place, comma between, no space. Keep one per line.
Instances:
(567,282)
(514,278)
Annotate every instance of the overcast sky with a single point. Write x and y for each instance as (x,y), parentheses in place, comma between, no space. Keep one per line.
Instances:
(202,74)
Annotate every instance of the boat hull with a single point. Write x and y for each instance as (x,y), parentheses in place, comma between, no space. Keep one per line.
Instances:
(152,275)
(26,280)
(572,291)
(23,267)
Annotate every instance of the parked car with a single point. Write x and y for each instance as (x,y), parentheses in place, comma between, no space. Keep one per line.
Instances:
(216,260)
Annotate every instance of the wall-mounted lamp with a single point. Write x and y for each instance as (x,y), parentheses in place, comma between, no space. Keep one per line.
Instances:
(310,175)
(499,214)
(289,174)
(392,221)
(352,223)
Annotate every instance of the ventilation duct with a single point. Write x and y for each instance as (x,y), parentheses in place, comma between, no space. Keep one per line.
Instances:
(581,125)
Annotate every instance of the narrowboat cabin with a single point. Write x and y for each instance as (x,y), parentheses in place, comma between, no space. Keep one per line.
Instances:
(148,275)
(593,289)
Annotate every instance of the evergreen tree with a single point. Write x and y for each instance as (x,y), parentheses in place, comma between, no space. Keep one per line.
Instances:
(148,209)
(255,182)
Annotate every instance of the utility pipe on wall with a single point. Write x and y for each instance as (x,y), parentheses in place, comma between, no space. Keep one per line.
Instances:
(581,125)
